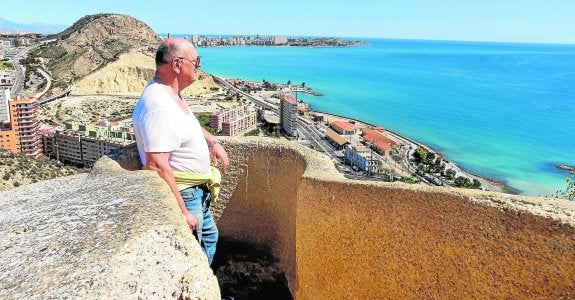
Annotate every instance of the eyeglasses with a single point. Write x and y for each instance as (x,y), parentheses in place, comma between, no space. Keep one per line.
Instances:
(196,62)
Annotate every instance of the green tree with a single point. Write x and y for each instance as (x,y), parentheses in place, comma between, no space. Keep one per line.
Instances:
(476,184)
(420,155)
(450,174)
(461,181)
(569,191)
(254,132)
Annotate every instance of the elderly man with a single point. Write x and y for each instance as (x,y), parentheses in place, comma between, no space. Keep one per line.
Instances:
(171,141)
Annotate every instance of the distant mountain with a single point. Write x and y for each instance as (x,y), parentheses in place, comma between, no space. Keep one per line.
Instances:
(11,27)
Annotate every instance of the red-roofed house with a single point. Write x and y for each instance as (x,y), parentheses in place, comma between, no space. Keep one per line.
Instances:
(379,140)
(343,127)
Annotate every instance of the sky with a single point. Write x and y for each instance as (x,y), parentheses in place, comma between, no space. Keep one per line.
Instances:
(529,21)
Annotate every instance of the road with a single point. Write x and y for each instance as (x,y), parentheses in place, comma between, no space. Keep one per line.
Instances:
(18,87)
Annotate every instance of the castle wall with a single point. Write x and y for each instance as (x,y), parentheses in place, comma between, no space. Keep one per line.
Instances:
(262,208)
(361,241)
(370,240)
(110,234)
(113,233)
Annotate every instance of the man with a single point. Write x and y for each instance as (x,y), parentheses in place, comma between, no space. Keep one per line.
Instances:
(171,141)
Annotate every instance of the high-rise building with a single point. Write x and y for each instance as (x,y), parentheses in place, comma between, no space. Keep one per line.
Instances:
(288,114)
(20,134)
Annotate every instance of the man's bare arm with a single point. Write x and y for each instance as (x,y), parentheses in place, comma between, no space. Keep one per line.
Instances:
(158,161)
(217,151)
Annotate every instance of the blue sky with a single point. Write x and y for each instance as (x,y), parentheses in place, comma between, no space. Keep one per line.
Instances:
(544,21)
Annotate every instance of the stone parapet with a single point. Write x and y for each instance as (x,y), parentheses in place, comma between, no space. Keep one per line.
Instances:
(338,238)
(116,234)
(110,234)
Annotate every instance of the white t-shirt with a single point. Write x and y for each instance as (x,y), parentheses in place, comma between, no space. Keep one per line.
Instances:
(160,125)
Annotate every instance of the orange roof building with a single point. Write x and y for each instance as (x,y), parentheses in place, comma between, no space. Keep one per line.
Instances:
(336,139)
(343,127)
(379,140)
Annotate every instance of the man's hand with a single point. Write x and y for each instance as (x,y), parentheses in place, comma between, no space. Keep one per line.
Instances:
(191,220)
(219,154)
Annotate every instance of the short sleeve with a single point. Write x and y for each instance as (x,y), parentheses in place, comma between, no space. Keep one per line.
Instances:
(159,132)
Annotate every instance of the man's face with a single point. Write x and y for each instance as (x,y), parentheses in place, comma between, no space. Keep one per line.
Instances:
(189,62)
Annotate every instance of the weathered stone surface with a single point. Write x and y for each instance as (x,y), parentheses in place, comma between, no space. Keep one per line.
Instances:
(333,237)
(337,238)
(108,234)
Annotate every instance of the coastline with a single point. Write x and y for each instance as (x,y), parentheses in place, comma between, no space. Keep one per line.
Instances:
(488,184)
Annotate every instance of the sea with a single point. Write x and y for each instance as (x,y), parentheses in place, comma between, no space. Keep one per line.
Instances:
(504,111)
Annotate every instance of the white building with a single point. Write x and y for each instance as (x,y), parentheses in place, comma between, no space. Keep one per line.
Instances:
(6,82)
(288,114)
(280,40)
(361,158)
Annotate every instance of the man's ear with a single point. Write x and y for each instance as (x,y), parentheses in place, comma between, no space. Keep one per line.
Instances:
(176,65)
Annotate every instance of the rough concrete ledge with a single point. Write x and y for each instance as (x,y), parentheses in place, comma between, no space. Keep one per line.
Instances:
(110,234)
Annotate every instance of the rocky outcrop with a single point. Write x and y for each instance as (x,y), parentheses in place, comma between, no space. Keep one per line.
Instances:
(93,42)
(128,76)
(110,234)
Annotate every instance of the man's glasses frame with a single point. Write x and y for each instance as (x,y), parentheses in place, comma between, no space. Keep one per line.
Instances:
(196,62)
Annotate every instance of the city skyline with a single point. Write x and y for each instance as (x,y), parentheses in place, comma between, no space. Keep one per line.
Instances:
(526,21)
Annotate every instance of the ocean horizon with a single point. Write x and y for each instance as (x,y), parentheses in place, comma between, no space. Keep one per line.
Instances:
(499,110)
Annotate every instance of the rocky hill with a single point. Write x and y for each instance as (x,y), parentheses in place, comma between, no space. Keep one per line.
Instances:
(129,74)
(108,54)
(92,43)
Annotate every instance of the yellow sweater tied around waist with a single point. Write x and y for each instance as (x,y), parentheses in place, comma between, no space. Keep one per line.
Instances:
(185,180)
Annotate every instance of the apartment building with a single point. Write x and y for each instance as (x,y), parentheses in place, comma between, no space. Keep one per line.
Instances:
(361,158)
(288,114)
(280,40)
(83,144)
(19,133)
(234,121)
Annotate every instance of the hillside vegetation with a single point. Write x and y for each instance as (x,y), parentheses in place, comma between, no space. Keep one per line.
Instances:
(19,169)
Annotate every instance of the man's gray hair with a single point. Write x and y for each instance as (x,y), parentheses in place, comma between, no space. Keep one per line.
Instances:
(166,53)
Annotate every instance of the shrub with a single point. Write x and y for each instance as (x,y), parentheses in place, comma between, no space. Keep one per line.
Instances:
(569,191)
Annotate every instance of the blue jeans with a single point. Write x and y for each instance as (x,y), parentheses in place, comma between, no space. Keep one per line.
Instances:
(197,201)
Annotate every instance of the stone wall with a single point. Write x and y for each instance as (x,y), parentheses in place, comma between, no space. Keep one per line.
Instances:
(372,240)
(114,233)
(110,234)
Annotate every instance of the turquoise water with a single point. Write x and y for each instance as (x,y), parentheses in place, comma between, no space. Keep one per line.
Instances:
(503,111)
